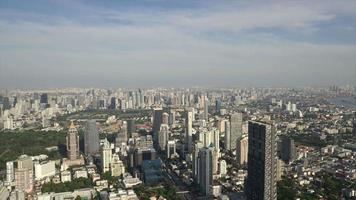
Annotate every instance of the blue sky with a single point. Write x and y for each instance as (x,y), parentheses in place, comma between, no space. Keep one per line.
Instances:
(62,43)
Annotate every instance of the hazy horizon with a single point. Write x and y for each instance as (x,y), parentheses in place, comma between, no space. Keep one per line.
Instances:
(133,44)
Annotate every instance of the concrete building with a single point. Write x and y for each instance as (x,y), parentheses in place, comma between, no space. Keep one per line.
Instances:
(106,156)
(163,136)
(261,183)
(24,174)
(44,170)
(189,130)
(205,171)
(117,167)
(91,138)
(73,143)
(235,128)
(242,151)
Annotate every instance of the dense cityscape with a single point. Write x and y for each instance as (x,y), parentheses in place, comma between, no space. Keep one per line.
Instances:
(168,143)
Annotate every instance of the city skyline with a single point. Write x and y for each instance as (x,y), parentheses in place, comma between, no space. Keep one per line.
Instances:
(176,44)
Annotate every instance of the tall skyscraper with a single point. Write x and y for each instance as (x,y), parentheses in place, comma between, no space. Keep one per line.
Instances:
(242,150)
(113,103)
(227,135)
(91,138)
(121,138)
(24,174)
(206,109)
(217,106)
(163,136)
(235,128)
(44,98)
(73,142)
(106,156)
(189,130)
(262,162)
(131,127)
(157,121)
(205,171)
(287,149)
(165,118)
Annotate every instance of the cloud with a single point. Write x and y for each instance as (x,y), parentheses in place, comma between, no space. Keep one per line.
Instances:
(174,48)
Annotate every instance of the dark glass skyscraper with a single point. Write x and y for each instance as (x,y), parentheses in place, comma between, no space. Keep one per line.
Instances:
(287,149)
(262,162)
(44,98)
(91,138)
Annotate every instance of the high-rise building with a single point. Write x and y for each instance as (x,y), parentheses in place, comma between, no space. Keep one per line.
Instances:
(227,135)
(235,128)
(113,103)
(44,98)
(206,109)
(24,174)
(205,171)
(10,172)
(106,156)
(262,162)
(157,121)
(165,118)
(91,138)
(172,118)
(121,138)
(287,149)
(242,150)
(73,142)
(189,130)
(117,167)
(217,106)
(171,149)
(163,136)
(131,127)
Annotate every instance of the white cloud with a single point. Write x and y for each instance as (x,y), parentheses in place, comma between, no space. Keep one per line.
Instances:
(168,49)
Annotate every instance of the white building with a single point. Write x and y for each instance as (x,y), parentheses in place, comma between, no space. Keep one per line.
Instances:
(44,170)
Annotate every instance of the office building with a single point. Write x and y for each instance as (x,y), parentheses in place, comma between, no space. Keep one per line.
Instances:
(189,130)
(117,167)
(163,137)
(242,151)
(44,170)
(235,128)
(287,150)
(91,138)
(24,174)
(227,135)
(73,142)
(106,156)
(205,171)
(262,162)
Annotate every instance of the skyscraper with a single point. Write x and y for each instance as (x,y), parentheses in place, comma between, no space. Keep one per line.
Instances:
(189,130)
(163,136)
(44,98)
(287,149)
(262,162)
(24,174)
(206,109)
(205,171)
(91,138)
(235,128)
(121,137)
(157,121)
(227,135)
(131,127)
(242,150)
(73,142)
(106,156)
(165,118)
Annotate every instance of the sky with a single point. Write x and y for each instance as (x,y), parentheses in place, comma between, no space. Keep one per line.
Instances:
(176,43)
